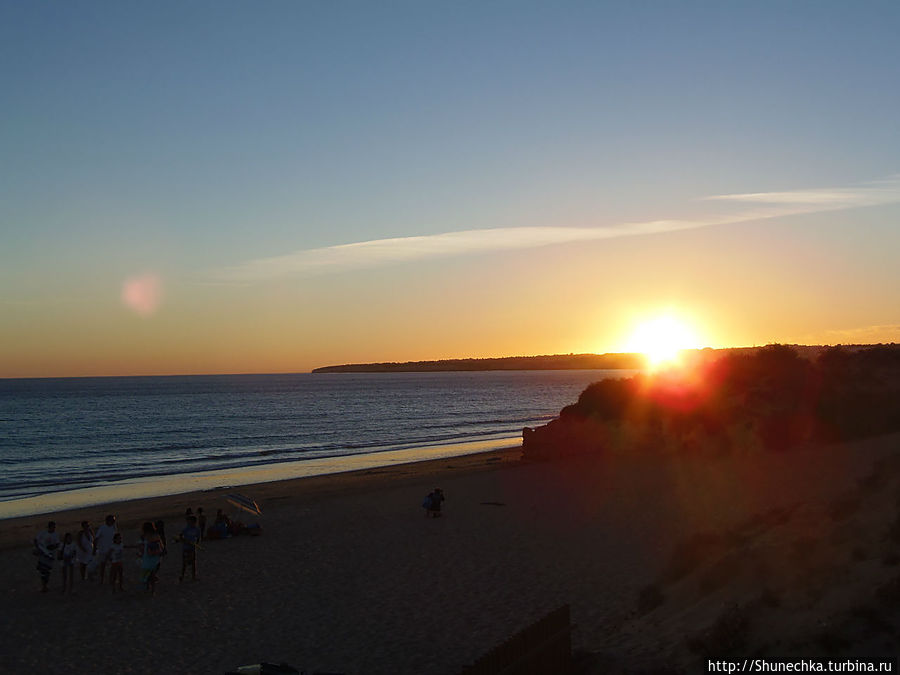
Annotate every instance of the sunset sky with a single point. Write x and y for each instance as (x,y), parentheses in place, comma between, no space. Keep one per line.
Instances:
(223,187)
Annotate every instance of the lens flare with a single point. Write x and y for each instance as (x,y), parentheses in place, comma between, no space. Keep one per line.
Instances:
(142,294)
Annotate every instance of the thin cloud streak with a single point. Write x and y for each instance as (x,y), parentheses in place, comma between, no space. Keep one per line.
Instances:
(838,197)
(380,252)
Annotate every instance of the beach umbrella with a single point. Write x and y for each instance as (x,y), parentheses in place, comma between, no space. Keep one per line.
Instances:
(243,503)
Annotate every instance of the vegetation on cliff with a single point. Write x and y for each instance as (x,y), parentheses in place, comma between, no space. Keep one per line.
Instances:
(770,398)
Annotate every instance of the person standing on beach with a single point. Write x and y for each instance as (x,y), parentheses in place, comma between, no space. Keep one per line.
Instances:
(116,571)
(46,544)
(103,542)
(190,538)
(201,522)
(150,551)
(161,531)
(67,556)
(85,545)
(433,503)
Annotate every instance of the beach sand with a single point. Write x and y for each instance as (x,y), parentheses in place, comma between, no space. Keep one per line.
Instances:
(350,577)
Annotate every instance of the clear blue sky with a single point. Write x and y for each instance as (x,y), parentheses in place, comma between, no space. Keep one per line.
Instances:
(184,139)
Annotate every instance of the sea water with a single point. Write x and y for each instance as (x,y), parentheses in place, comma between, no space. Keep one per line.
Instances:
(63,437)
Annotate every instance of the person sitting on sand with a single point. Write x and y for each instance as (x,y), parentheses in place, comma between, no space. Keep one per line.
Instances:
(235,527)
(46,544)
(84,542)
(219,530)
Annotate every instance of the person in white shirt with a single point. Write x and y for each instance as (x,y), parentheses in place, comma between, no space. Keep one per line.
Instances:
(46,544)
(103,542)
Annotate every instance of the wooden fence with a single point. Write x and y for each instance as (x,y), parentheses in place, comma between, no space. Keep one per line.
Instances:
(544,647)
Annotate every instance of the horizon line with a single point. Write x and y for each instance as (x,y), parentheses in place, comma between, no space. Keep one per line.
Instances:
(468,358)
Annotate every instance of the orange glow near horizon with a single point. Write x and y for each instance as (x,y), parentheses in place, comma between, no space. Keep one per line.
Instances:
(661,339)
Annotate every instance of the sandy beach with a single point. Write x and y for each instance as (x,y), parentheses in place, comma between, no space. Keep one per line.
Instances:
(349,576)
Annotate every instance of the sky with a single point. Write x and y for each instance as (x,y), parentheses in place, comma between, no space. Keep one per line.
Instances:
(224,187)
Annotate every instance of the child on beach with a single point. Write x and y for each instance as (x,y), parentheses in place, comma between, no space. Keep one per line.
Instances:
(116,569)
(67,555)
(190,538)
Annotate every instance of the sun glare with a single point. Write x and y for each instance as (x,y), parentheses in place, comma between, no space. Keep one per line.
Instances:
(661,340)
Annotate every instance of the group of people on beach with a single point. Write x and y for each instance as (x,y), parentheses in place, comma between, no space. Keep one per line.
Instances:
(91,551)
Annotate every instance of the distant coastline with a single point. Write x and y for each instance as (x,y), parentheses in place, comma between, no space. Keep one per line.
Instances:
(554,362)
(609,361)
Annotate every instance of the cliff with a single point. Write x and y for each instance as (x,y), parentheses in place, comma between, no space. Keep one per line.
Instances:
(765,399)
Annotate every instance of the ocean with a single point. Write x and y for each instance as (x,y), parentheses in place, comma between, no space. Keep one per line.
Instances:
(59,435)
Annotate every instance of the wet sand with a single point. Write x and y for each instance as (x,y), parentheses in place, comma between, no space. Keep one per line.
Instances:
(349,576)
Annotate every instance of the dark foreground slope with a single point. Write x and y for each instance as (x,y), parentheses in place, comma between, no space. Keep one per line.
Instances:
(786,471)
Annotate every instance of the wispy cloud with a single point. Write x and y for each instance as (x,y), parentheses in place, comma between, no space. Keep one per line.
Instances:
(870,194)
(764,205)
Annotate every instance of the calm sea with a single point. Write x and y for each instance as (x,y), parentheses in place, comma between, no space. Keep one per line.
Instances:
(64,434)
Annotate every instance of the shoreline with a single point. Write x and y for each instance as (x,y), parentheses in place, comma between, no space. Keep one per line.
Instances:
(128,489)
(18,530)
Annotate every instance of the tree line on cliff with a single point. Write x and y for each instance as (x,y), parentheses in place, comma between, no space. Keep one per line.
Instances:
(768,399)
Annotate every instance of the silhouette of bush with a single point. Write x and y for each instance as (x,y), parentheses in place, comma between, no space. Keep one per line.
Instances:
(607,399)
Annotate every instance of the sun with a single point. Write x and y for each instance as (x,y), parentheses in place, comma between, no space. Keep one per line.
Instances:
(661,339)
